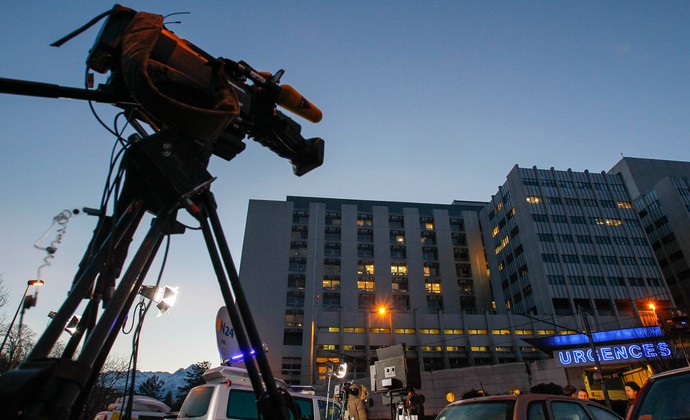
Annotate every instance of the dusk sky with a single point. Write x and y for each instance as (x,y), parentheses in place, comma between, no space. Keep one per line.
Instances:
(423,101)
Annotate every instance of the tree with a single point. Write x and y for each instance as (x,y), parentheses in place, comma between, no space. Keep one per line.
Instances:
(105,390)
(152,387)
(193,377)
(168,400)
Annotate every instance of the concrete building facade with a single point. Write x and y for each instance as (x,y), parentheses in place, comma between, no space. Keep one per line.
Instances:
(565,242)
(661,193)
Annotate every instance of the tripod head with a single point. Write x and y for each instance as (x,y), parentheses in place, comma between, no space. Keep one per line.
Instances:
(165,82)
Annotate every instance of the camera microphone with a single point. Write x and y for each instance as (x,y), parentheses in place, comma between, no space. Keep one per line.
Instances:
(293,101)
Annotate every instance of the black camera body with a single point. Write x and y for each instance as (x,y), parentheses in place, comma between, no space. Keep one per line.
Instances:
(170,82)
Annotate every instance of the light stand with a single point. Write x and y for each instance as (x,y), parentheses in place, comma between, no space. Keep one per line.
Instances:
(340,374)
(25,303)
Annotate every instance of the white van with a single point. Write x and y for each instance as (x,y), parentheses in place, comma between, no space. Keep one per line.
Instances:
(228,394)
(143,408)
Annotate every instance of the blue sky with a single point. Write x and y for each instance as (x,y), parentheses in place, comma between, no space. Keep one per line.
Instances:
(423,101)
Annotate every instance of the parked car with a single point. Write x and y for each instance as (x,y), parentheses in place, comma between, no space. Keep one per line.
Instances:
(228,394)
(526,407)
(665,395)
(142,408)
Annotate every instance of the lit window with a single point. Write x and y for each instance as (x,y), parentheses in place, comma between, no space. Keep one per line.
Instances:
(494,232)
(625,204)
(480,348)
(399,269)
(366,284)
(454,331)
(534,200)
(476,332)
(546,332)
(504,242)
(433,286)
(500,332)
(434,331)
(331,284)
(608,222)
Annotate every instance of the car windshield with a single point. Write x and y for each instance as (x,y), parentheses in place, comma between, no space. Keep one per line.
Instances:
(668,398)
(484,410)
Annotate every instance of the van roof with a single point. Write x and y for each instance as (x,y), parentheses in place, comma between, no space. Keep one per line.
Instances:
(236,375)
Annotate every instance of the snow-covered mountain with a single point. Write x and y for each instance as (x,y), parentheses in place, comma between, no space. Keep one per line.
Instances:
(171,381)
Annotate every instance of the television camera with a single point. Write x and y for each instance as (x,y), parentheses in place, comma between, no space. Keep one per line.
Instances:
(196,106)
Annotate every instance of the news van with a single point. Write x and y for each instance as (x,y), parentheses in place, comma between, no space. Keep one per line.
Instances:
(228,394)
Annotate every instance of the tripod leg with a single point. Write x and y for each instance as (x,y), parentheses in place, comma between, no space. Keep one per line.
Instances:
(81,287)
(280,408)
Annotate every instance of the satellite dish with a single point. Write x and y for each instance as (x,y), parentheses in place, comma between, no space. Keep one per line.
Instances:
(225,336)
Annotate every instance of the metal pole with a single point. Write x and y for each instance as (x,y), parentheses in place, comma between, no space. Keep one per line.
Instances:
(596,360)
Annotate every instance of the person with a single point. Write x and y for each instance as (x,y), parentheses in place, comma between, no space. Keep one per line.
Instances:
(415,404)
(582,394)
(514,391)
(631,390)
(569,390)
(355,406)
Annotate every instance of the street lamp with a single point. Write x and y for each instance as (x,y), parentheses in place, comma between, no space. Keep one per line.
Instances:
(382,310)
(27,302)
(331,371)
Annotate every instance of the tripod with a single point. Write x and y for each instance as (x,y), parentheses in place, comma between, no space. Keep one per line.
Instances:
(164,173)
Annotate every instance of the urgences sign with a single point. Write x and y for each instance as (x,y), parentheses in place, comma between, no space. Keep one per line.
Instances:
(613,354)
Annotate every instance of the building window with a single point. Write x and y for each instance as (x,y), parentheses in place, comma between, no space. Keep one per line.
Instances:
(365,268)
(616,281)
(298,264)
(538,217)
(331,249)
(477,332)
(331,301)
(549,258)
(608,222)
(331,267)
(331,284)
(292,338)
(333,219)
(299,233)
(434,303)
(401,302)
(294,319)
(399,268)
(398,252)
(432,285)
(457,224)
(365,220)
(429,253)
(365,251)
(366,284)
(534,200)
(295,299)
(399,284)
(428,238)
(624,204)
(296,281)
(291,366)
(459,239)
(431,269)
(332,234)
(555,279)
(396,222)
(397,237)
(365,235)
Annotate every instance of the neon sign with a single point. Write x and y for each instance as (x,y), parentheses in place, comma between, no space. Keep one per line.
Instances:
(613,354)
